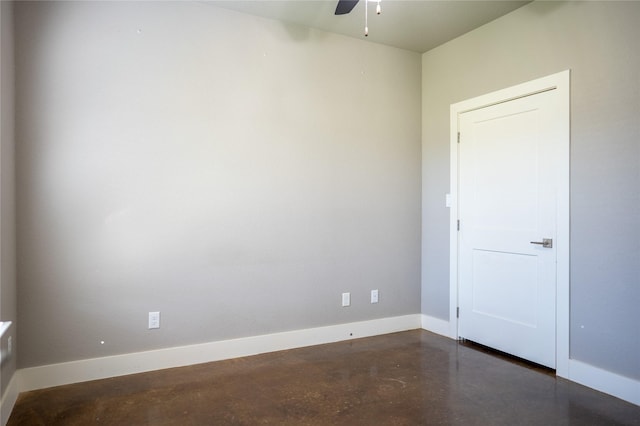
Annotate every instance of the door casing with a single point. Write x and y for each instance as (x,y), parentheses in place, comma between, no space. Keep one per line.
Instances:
(559,82)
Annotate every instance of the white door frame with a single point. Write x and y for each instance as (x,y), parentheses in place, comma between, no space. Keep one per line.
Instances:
(561,83)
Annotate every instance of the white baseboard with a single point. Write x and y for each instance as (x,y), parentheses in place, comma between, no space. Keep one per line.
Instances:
(438,326)
(605,381)
(9,399)
(601,380)
(99,368)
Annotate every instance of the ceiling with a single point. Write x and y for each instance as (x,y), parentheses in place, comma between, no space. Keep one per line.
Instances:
(417,25)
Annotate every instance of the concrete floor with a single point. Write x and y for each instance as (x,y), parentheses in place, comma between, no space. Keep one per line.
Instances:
(409,378)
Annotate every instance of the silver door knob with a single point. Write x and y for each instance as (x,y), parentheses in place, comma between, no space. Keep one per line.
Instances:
(546,242)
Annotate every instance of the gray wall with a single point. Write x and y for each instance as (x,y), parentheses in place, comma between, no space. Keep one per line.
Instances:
(8,303)
(598,41)
(231,172)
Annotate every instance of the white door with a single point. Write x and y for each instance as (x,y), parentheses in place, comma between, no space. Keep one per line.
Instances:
(507,200)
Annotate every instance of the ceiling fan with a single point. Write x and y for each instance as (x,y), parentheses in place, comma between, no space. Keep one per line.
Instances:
(345,6)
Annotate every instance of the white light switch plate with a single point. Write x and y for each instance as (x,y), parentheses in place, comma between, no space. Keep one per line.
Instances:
(154,320)
(346,299)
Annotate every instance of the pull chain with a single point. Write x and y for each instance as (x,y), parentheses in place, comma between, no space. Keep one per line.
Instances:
(366,18)
(366,15)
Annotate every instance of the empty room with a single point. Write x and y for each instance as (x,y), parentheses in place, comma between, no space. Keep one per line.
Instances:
(319,212)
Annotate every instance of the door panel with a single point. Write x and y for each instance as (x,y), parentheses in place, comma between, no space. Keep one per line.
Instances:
(507,200)
(493,273)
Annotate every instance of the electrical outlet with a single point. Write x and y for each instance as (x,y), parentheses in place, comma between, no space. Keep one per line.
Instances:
(374,296)
(154,320)
(346,299)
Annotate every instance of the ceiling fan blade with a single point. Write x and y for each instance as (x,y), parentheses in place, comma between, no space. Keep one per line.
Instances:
(345,6)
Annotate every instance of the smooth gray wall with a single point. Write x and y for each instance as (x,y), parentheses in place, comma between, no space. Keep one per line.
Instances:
(232,172)
(598,41)
(8,302)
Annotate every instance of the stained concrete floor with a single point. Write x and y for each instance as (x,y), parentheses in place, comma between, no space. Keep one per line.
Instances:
(409,378)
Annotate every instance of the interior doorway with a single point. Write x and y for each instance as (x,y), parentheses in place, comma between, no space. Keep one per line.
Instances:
(510,220)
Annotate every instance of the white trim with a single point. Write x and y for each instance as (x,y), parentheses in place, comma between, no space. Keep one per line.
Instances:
(437,326)
(605,381)
(4,326)
(99,368)
(11,393)
(563,301)
(596,378)
(560,82)
(453,224)
(9,399)
(118,365)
